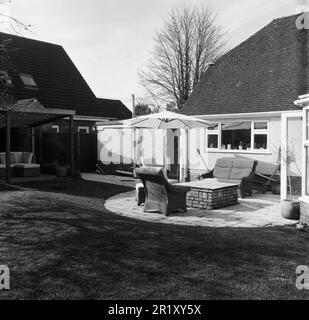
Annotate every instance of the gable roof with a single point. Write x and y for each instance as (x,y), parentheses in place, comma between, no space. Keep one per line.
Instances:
(59,83)
(267,72)
(114,109)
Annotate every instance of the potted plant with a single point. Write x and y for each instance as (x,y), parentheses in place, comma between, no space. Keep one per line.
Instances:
(290,209)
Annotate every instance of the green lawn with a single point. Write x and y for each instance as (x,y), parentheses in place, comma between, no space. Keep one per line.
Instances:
(58,246)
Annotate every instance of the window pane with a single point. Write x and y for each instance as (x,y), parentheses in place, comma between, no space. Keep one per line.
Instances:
(260,125)
(213,141)
(260,141)
(236,136)
(28,80)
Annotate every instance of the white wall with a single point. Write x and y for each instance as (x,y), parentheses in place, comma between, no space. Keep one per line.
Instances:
(116,145)
(150,145)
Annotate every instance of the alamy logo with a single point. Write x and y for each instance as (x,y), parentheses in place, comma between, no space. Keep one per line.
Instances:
(302,21)
(4,278)
(302,281)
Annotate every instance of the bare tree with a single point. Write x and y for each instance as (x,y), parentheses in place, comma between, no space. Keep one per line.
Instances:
(16,26)
(188,42)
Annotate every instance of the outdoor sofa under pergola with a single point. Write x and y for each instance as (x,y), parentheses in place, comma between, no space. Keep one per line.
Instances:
(30,113)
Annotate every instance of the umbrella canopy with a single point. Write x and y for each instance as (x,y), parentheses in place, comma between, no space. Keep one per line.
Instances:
(169,120)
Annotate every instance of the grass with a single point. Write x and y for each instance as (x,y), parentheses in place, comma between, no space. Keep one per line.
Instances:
(58,247)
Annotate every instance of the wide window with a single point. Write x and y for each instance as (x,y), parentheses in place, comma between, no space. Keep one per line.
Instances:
(238,136)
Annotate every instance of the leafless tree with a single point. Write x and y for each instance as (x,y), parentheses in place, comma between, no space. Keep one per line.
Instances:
(188,42)
(16,26)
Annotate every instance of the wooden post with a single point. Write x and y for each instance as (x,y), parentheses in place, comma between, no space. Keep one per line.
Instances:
(121,148)
(134,134)
(40,150)
(8,148)
(78,150)
(33,140)
(71,146)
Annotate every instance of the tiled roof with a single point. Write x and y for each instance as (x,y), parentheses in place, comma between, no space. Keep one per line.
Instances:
(267,72)
(114,109)
(28,103)
(60,84)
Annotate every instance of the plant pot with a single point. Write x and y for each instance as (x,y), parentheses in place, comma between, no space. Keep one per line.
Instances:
(290,209)
(62,171)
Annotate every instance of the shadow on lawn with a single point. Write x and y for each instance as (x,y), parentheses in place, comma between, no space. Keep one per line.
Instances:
(85,254)
(57,250)
(77,187)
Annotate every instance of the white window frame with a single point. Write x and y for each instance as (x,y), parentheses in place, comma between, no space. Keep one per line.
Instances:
(56,127)
(253,133)
(213,132)
(259,132)
(83,128)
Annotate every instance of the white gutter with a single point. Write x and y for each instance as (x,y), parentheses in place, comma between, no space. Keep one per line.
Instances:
(244,115)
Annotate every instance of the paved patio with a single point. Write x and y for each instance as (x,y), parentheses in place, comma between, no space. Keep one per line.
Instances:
(251,212)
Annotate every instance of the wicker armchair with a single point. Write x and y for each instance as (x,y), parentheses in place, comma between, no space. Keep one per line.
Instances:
(160,194)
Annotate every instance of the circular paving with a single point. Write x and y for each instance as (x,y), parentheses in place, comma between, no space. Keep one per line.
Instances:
(252,212)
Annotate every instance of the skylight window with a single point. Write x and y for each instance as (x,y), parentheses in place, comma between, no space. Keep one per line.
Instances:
(28,81)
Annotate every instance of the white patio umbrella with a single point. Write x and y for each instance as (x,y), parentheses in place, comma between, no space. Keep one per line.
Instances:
(169,120)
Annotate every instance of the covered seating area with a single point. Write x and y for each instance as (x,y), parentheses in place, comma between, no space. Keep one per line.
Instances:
(29,114)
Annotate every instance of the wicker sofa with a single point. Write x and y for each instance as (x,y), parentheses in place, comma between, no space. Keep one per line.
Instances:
(21,164)
(160,194)
(234,170)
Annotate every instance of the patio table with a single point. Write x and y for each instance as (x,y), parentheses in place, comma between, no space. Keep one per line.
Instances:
(211,194)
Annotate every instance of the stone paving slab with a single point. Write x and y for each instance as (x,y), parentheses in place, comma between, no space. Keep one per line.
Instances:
(252,212)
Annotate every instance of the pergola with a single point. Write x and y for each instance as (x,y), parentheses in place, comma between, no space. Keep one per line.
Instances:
(30,113)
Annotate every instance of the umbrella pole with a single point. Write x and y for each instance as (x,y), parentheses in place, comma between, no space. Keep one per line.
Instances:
(164,149)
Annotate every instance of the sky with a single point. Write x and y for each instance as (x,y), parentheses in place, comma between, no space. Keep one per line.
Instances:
(110,40)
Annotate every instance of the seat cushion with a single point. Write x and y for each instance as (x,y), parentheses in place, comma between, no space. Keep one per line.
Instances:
(27,165)
(2,158)
(241,168)
(16,157)
(3,165)
(223,168)
(27,157)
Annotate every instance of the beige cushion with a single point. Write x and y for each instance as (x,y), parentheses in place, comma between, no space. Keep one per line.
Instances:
(3,165)
(27,157)
(237,173)
(17,157)
(223,168)
(241,168)
(26,165)
(2,158)
(243,163)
